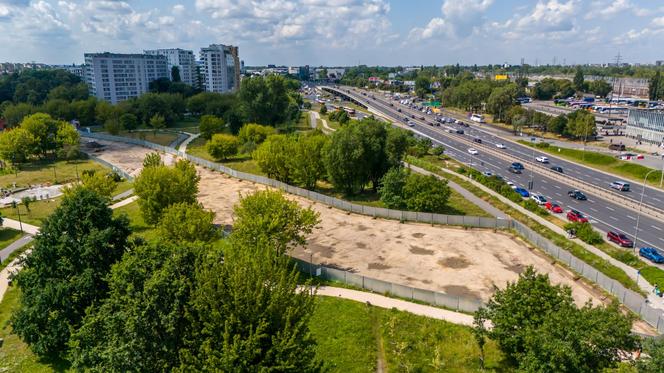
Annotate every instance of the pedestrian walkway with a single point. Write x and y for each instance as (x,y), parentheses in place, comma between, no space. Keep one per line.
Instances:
(124,202)
(4,253)
(20,226)
(401,305)
(183,146)
(326,128)
(484,205)
(123,195)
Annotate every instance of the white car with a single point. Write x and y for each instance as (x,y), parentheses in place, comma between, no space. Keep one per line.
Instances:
(501,146)
(473,151)
(511,184)
(538,198)
(542,159)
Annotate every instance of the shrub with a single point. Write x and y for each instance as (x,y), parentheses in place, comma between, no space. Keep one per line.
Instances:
(221,146)
(531,205)
(585,232)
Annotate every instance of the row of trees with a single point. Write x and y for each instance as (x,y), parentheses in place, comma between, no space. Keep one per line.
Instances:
(540,329)
(579,124)
(36,86)
(39,136)
(175,303)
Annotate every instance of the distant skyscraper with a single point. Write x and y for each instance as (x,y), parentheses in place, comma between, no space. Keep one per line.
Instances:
(183,59)
(116,77)
(221,68)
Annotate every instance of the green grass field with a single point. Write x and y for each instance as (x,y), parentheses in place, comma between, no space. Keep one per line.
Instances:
(7,236)
(136,223)
(42,172)
(604,162)
(39,211)
(353,336)
(160,137)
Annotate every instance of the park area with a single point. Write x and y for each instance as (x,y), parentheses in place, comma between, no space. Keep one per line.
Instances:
(454,260)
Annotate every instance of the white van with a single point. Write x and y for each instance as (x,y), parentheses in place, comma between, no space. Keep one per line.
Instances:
(620,185)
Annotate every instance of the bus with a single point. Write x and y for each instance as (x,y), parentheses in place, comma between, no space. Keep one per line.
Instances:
(349,110)
(477,118)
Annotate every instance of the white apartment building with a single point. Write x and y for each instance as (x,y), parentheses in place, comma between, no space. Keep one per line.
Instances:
(221,68)
(116,77)
(183,59)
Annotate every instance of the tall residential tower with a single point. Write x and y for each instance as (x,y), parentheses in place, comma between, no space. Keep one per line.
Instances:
(221,68)
(116,77)
(183,59)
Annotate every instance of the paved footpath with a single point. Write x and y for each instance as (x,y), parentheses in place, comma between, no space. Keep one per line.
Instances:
(401,305)
(183,146)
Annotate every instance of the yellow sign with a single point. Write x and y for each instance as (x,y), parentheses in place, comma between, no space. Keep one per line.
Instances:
(501,77)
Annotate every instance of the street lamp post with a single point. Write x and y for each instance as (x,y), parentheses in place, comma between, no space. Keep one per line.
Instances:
(638,214)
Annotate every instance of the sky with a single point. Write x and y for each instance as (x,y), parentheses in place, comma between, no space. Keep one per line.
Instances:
(340,32)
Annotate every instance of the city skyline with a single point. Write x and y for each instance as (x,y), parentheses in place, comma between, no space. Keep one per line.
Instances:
(340,32)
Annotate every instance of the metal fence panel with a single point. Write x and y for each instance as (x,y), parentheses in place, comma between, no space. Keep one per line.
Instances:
(355,279)
(605,282)
(378,286)
(590,273)
(565,257)
(651,315)
(469,304)
(410,215)
(381,212)
(440,219)
(633,301)
(334,274)
(424,217)
(423,295)
(402,291)
(447,301)
(455,220)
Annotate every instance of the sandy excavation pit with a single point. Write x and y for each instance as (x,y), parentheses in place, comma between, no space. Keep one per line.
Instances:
(453,260)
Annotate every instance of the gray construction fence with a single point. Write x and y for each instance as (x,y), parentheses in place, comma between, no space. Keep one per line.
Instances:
(632,300)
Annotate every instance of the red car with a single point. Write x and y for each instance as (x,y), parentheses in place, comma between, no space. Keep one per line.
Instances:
(576,216)
(553,207)
(619,238)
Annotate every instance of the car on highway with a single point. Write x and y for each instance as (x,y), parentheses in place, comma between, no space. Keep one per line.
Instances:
(619,238)
(576,216)
(542,159)
(501,146)
(411,124)
(477,140)
(577,195)
(651,254)
(511,184)
(487,173)
(620,185)
(524,193)
(553,207)
(539,199)
(412,116)
(557,169)
(514,170)
(459,131)
(399,110)
(473,151)
(517,165)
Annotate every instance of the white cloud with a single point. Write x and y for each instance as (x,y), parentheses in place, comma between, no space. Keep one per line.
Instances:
(435,27)
(658,22)
(607,9)
(460,18)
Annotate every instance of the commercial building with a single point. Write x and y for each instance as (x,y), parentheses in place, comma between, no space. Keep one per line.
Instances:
(116,77)
(183,59)
(78,70)
(646,126)
(221,68)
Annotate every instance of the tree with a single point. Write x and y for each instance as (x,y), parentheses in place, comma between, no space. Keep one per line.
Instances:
(654,361)
(600,88)
(210,125)
(391,188)
(654,87)
(128,121)
(422,86)
(557,124)
(26,200)
(113,126)
(100,183)
(323,109)
(66,271)
(306,163)
(16,145)
(581,124)
(480,332)
(14,114)
(43,129)
(249,313)
(273,157)
(187,222)
(500,101)
(144,324)
(175,74)
(161,186)
(157,122)
(344,157)
(426,193)
(579,83)
(269,100)
(221,146)
(255,133)
(152,160)
(268,218)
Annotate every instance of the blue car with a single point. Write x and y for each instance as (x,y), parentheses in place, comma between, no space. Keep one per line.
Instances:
(524,193)
(517,166)
(651,254)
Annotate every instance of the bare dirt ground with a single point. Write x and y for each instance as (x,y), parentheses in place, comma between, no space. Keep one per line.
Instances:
(448,259)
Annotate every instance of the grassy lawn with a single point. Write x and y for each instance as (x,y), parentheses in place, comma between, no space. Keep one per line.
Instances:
(15,356)
(629,170)
(137,224)
(160,137)
(123,186)
(187,125)
(7,236)
(351,334)
(39,211)
(42,172)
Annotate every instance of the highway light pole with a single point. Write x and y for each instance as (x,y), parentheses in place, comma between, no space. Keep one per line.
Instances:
(638,215)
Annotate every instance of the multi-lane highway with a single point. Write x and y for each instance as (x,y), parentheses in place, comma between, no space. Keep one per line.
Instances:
(605,214)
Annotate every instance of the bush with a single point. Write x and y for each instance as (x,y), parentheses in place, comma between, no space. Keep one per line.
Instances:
(255,133)
(542,145)
(585,232)
(221,146)
(531,205)
(210,125)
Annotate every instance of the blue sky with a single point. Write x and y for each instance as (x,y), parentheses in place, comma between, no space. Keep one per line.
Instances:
(340,32)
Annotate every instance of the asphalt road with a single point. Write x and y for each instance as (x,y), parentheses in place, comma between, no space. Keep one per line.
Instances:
(603,214)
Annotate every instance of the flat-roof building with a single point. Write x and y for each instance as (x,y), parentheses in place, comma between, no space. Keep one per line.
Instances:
(646,125)
(117,77)
(221,68)
(183,59)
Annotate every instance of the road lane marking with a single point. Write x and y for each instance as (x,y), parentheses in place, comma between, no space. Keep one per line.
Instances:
(557,187)
(594,209)
(631,217)
(658,228)
(611,217)
(609,208)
